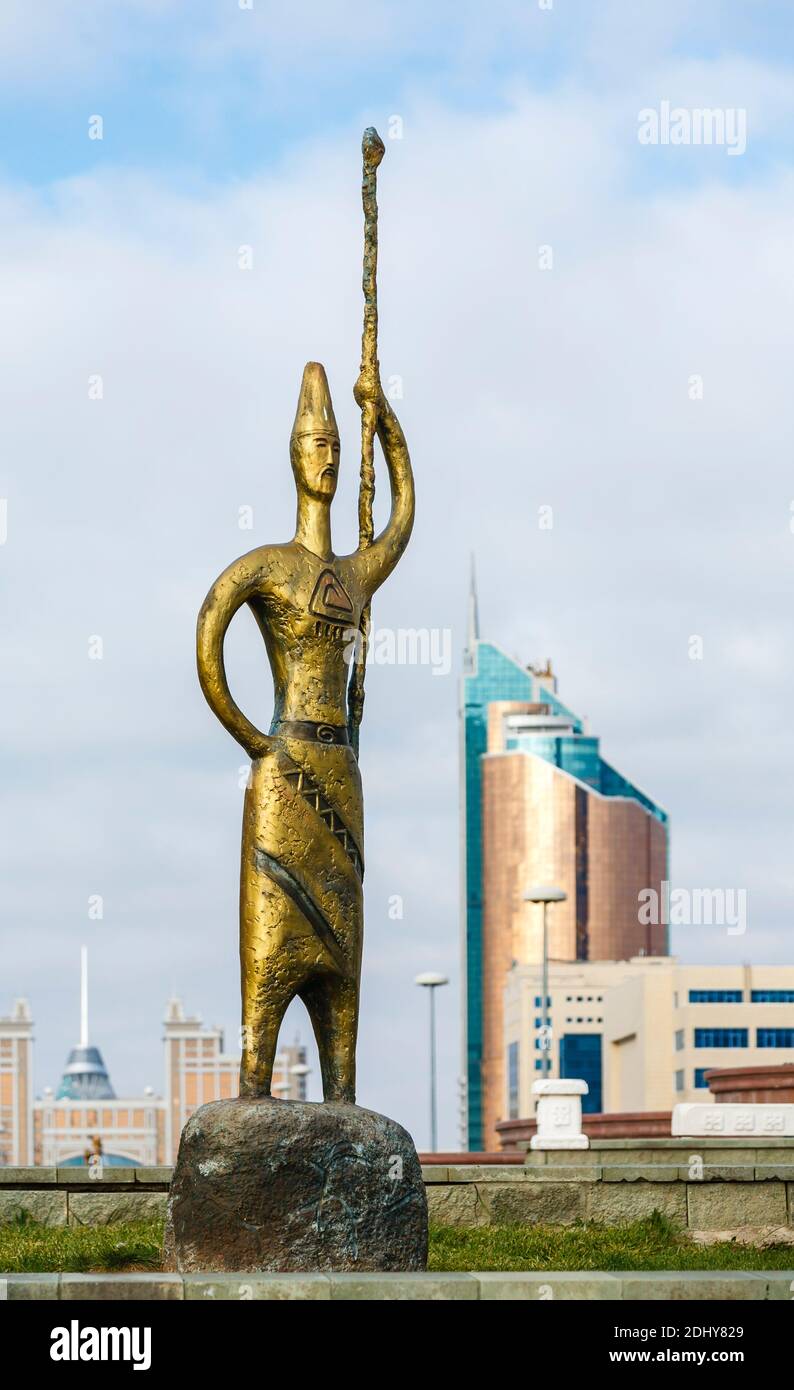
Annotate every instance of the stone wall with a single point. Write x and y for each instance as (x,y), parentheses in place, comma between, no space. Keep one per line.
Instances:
(700,1184)
(68,1197)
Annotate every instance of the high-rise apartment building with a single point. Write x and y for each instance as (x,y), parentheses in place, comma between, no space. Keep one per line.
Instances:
(539,805)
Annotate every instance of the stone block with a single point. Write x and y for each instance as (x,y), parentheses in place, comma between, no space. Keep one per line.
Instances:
(288,1186)
(697,1285)
(31,1287)
(742,1121)
(405,1287)
(605,1146)
(247,1288)
(724,1206)
(122,1287)
(568,1173)
(640,1172)
(106,1176)
(553,1158)
(534,1203)
(780,1285)
(111,1208)
(549,1286)
(487,1172)
(456,1204)
(719,1172)
(617,1203)
(760,1236)
(26,1177)
(432,1173)
(147,1176)
(46,1208)
(776,1154)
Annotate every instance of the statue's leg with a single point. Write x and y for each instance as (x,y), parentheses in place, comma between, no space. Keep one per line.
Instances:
(332,1004)
(262,1013)
(270,971)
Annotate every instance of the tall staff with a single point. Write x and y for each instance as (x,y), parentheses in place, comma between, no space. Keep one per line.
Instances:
(372,151)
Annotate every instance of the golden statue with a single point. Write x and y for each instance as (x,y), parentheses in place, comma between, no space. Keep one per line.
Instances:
(301,903)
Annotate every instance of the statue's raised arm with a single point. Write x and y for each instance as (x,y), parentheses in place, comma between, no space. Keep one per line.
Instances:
(376,561)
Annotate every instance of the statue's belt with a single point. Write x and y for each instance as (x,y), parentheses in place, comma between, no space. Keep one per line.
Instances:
(311,732)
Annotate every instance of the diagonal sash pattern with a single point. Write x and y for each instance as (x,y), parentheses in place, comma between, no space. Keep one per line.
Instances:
(303,783)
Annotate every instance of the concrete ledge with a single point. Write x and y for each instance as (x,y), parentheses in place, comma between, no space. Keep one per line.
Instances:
(700,1184)
(104,1177)
(729,1145)
(641,1286)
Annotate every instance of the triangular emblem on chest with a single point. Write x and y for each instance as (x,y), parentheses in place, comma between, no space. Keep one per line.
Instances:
(330,598)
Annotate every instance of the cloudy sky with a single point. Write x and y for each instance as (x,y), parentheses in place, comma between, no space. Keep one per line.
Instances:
(640,387)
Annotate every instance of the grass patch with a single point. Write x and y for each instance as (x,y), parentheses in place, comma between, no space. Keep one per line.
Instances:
(26,1248)
(653,1243)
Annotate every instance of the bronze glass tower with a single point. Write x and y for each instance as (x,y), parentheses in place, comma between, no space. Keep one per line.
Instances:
(539,805)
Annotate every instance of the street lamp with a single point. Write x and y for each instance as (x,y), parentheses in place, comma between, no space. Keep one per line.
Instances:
(432,982)
(543,893)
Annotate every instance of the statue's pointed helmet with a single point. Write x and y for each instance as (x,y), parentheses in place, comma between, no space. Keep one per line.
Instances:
(315,413)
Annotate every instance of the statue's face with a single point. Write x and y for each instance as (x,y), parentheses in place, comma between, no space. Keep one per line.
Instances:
(315,463)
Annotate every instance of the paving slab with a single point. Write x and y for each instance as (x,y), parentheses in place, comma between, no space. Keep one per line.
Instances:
(640,1172)
(127,1287)
(553,1158)
(247,1288)
(694,1284)
(567,1173)
(549,1286)
(147,1176)
(30,1287)
(107,1175)
(405,1287)
(719,1172)
(433,1174)
(475,1172)
(780,1285)
(26,1177)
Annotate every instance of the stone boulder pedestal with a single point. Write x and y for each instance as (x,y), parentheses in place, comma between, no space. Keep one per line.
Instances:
(288,1185)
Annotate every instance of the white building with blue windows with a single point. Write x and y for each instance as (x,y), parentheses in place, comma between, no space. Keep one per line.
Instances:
(643,1032)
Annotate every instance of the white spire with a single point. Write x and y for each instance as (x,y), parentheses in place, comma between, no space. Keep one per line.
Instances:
(474,614)
(84,996)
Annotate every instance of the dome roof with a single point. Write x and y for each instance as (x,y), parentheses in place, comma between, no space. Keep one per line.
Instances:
(85,1076)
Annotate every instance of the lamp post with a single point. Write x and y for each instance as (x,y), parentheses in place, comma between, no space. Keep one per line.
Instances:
(543,893)
(432,982)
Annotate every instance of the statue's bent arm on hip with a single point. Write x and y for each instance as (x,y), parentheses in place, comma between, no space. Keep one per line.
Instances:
(245,579)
